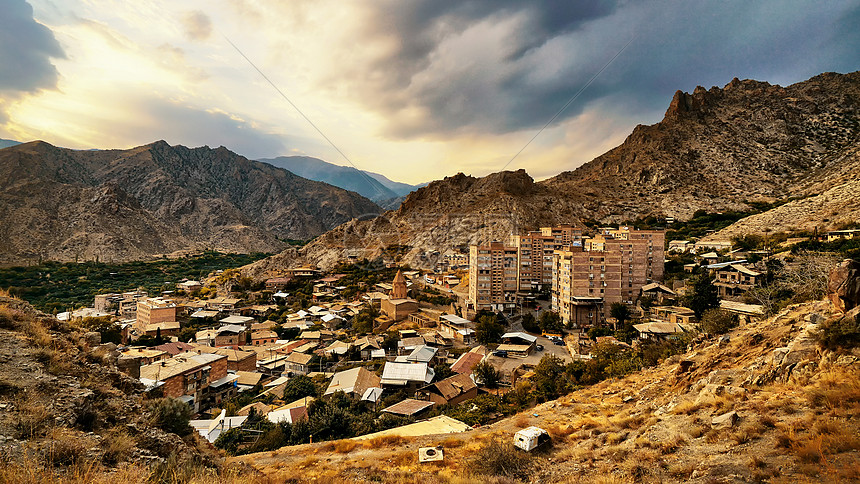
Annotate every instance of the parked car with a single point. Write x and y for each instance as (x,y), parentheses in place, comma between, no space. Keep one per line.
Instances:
(501,354)
(558,342)
(539,347)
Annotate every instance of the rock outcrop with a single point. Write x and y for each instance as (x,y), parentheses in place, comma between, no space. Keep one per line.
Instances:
(843,287)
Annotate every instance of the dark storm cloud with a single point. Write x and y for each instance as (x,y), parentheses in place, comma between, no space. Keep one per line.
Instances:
(26,48)
(501,66)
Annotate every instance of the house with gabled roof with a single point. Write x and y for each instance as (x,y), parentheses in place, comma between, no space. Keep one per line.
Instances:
(354,382)
(406,375)
(451,390)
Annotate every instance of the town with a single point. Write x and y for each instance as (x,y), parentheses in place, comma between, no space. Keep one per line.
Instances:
(407,352)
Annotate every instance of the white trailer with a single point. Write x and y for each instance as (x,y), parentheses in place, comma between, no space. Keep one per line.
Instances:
(530,438)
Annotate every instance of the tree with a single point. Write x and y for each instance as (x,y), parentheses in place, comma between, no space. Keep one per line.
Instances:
(487,374)
(702,295)
(489,330)
(298,387)
(621,312)
(547,380)
(171,415)
(550,322)
(717,321)
(530,324)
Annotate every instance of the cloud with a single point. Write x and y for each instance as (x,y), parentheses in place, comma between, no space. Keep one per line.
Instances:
(26,48)
(198,25)
(436,68)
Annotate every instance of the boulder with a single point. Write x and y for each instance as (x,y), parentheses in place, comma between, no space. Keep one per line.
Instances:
(725,421)
(843,286)
(92,339)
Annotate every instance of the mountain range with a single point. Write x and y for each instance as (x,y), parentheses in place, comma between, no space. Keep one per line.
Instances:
(716,149)
(65,204)
(376,187)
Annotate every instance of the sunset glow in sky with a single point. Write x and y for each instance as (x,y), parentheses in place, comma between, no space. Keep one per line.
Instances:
(416,90)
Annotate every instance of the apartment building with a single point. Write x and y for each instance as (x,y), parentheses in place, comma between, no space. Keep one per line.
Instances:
(155,310)
(493,276)
(563,234)
(123,305)
(611,267)
(534,259)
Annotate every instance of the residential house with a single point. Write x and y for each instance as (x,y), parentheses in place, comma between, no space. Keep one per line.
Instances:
(658,330)
(165,329)
(410,376)
(467,362)
(277,283)
(658,293)
(155,310)
(354,382)
(673,314)
(458,328)
(450,391)
(735,279)
(263,337)
(409,407)
(237,360)
(298,363)
(517,344)
(186,377)
(231,335)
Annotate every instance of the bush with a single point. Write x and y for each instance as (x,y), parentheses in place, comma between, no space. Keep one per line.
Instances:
(718,321)
(502,459)
(487,374)
(842,332)
(171,415)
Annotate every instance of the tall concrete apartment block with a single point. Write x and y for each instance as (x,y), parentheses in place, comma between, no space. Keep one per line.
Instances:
(563,234)
(493,276)
(155,310)
(534,260)
(612,266)
(535,252)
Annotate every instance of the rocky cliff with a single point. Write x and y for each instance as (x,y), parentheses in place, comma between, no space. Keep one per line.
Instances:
(130,204)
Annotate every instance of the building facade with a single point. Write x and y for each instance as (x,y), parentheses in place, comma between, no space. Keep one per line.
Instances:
(155,310)
(493,276)
(609,268)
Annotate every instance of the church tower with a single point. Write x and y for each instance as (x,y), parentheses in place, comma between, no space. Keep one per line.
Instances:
(398,289)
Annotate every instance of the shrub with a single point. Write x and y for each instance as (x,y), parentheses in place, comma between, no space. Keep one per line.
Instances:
(502,459)
(117,445)
(718,321)
(842,332)
(171,415)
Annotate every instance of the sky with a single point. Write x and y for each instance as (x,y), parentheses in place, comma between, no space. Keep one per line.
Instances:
(413,89)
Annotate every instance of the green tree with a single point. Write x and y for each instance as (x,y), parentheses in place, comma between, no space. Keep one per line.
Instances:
(171,415)
(489,330)
(547,381)
(530,324)
(299,386)
(487,374)
(550,322)
(621,312)
(702,295)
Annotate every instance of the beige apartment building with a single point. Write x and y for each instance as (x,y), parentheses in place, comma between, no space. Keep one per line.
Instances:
(493,276)
(534,260)
(611,267)
(155,310)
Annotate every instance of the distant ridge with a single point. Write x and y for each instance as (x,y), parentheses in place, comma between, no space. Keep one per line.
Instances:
(65,204)
(5,143)
(374,186)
